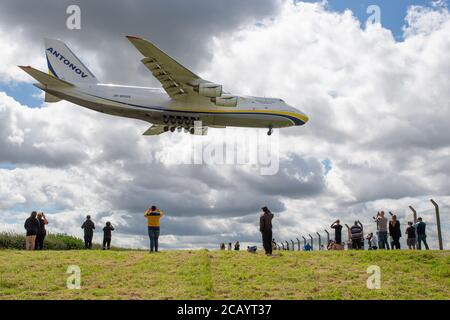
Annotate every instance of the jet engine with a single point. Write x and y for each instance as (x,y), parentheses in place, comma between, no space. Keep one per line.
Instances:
(208,89)
(225,101)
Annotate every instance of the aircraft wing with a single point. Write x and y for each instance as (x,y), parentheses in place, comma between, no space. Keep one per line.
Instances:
(154,130)
(176,79)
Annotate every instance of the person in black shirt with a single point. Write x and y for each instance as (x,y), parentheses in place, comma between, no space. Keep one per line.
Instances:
(337,231)
(411,232)
(395,232)
(40,236)
(31,226)
(88,227)
(107,235)
(265,226)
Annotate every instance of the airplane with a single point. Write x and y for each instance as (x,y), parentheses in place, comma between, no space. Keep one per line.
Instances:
(185,101)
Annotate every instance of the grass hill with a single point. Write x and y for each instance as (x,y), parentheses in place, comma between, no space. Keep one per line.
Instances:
(202,274)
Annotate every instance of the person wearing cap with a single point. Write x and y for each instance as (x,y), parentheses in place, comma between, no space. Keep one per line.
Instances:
(265,227)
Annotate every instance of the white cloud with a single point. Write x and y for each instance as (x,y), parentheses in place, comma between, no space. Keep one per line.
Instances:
(379,111)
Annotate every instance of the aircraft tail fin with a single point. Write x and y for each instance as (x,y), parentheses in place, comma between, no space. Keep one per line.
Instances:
(64,64)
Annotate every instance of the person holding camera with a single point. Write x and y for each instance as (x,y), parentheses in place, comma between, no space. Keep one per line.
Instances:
(153,215)
(88,227)
(337,231)
(40,236)
(382,226)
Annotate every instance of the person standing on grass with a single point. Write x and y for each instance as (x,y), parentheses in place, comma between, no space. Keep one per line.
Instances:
(421,234)
(89,228)
(107,235)
(411,239)
(337,231)
(382,222)
(237,246)
(395,232)
(32,227)
(153,216)
(40,236)
(265,226)
(357,235)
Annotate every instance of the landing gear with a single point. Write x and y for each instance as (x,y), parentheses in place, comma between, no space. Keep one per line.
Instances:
(179,123)
(270,131)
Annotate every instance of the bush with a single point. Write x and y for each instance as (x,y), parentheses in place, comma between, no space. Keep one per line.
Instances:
(11,240)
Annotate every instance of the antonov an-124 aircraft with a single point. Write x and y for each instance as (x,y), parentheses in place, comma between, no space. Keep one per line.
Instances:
(184,102)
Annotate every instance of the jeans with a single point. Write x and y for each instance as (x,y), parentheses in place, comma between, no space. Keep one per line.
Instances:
(88,241)
(420,238)
(383,240)
(153,233)
(395,243)
(106,243)
(267,241)
(356,244)
(40,241)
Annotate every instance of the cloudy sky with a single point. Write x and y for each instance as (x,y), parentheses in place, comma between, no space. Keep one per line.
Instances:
(377,94)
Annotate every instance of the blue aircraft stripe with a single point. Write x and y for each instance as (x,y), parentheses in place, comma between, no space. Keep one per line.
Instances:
(293,119)
(50,67)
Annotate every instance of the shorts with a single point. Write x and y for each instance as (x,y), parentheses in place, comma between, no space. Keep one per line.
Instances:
(411,241)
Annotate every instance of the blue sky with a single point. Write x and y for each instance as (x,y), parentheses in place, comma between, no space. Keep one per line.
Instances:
(393,12)
(25,93)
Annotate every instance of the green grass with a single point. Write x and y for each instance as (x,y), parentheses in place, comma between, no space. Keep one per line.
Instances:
(203,274)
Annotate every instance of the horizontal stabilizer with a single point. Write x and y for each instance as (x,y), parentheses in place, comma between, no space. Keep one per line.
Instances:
(154,130)
(45,78)
(51,98)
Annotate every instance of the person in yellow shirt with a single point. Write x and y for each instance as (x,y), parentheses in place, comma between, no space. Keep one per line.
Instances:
(153,215)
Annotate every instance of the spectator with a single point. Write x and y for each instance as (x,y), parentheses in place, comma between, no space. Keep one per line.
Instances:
(411,233)
(421,234)
(395,232)
(31,225)
(222,246)
(357,235)
(372,241)
(307,247)
(265,226)
(382,231)
(107,235)
(89,228)
(337,231)
(274,244)
(40,236)
(349,238)
(229,246)
(153,216)
(237,246)
(251,249)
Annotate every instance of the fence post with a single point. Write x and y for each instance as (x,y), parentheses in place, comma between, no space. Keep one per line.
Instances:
(320,241)
(414,214)
(304,241)
(438,223)
(312,246)
(278,246)
(287,246)
(293,248)
(328,236)
(282,244)
(298,242)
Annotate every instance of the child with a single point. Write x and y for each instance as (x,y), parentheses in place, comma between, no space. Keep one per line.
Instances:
(411,240)
(107,235)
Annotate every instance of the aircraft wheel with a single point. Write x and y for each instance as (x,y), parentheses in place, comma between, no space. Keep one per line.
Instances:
(166,128)
(173,120)
(172,129)
(192,131)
